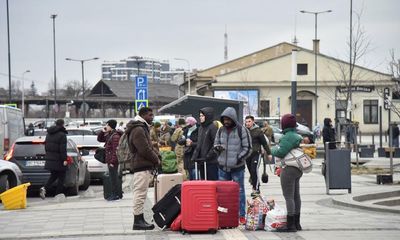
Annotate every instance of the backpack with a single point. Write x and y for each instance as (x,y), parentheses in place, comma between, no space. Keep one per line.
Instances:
(168,162)
(124,154)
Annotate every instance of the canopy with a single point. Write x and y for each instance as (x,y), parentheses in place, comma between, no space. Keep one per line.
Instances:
(191,104)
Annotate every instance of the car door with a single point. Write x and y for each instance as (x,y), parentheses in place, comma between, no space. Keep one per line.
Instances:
(80,164)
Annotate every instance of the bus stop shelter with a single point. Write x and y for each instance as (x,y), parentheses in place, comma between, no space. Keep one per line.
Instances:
(191,104)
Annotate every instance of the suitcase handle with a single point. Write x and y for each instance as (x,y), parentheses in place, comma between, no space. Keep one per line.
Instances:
(197,170)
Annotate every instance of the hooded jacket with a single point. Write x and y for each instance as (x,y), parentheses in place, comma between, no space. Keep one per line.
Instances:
(328,133)
(258,139)
(56,148)
(206,137)
(145,156)
(237,147)
(111,140)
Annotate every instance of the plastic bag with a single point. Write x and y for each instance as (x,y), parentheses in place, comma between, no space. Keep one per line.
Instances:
(256,212)
(276,218)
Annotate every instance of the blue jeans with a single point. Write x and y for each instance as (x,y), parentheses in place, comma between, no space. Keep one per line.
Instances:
(238,177)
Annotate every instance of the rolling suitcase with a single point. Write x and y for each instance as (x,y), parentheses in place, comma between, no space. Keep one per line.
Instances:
(228,203)
(107,189)
(164,182)
(199,205)
(168,208)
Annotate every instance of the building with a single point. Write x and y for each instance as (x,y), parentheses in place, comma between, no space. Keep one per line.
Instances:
(263,80)
(157,71)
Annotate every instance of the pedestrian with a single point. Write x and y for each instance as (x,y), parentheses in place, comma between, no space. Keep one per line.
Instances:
(189,141)
(233,145)
(110,136)
(328,136)
(165,135)
(146,160)
(155,131)
(289,175)
(56,157)
(204,150)
(258,139)
(175,138)
(31,130)
(395,135)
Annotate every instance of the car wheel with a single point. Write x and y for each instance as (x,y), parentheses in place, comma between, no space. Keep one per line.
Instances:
(86,183)
(74,190)
(4,185)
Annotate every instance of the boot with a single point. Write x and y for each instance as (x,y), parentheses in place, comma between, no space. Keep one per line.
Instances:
(290,227)
(297,222)
(141,224)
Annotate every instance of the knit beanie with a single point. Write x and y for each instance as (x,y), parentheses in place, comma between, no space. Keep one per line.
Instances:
(157,124)
(191,121)
(112,123)
(288,121)
(181,122)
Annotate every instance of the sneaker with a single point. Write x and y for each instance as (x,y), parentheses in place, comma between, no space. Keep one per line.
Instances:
(42,193)
(255,193)
(242,220)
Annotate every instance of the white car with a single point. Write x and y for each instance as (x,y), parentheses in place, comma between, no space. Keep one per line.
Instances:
(72,131)
(10,175)
(87,145)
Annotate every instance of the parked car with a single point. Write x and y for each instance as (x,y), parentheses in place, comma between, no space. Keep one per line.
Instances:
(40,132)
(300,129)
(87,146)
(45,123)
(10,175)
(72,131)
(11,127)
(29,154)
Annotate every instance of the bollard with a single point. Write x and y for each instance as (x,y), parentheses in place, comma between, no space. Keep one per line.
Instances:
(373,139)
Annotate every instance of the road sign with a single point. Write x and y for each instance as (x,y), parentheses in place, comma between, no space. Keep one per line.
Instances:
(141,94)
(141,103)
(141,82)
(386,96)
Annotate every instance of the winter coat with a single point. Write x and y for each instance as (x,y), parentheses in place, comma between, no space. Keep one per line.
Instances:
(176,136)
(237,147)
(206,136)
(56,148)
(328,133)
(111,140)
(188,150)
(288,141)
(154,136)
(258,139)
(145,156)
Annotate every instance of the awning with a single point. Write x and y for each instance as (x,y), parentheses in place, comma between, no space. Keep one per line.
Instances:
(191,104)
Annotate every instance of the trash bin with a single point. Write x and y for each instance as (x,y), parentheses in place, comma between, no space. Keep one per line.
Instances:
(338,168)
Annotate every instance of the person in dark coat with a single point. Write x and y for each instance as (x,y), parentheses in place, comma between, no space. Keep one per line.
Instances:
(328,135)
(56,157)
(189,141)
(395,135)
(110,136)
(205,142)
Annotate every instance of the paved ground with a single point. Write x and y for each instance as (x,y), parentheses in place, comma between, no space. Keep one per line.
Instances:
(89,216)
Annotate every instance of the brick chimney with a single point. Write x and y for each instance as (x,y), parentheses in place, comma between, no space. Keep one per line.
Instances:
(316,45)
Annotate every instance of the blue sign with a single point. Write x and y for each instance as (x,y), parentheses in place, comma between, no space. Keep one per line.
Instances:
(141,94)
(141,82)
(141,103)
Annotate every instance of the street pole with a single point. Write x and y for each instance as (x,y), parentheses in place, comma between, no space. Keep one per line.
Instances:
(82,61)
(188,75)
(294,83)
(9,56)
(316,60)
(23,92)
(53,16)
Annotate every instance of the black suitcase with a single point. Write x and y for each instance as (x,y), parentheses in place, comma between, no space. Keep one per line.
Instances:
(168,208)
(107,186)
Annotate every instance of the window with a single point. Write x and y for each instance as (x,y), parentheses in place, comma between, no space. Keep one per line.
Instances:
(370,111)
(264,108)
(302,69)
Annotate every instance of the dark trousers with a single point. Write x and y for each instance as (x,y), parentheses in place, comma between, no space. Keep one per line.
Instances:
(113,171)
(56,175)
(290,184)
(212,171)
(253,162)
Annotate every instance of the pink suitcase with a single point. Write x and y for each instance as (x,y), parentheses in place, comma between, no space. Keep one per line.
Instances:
(228,202)
(199,206)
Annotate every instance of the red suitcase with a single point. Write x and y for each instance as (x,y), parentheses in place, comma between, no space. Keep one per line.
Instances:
(228,203)
(199,206)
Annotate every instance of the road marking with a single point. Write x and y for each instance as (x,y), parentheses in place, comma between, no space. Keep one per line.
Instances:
(233,234)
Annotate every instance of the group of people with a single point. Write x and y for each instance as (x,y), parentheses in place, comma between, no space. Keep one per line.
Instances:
(225,151)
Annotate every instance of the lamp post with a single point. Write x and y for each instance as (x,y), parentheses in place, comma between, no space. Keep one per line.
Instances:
(9,55)
(23,91)
(188,63)
(82,61)
(315,59)
(53,16)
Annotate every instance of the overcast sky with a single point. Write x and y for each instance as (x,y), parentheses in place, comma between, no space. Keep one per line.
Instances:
(190,29)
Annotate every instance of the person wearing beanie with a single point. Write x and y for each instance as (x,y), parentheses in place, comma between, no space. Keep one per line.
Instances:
(175,138)
(189,142)
(289,176)
(110,136)
(56,157)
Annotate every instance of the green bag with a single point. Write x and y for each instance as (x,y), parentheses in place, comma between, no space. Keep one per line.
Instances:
(168,162)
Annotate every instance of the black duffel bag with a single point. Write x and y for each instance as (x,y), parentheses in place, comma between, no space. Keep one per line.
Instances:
(100,154)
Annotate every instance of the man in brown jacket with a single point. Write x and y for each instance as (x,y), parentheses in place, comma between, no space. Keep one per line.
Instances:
(146,159)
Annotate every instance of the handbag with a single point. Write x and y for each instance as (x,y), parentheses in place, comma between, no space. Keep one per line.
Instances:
(297,158)
(100,154)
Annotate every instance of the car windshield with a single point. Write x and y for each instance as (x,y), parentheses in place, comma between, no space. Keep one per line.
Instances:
(29,149)
(79,132)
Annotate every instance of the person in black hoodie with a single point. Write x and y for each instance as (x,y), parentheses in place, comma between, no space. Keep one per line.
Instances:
(189,141)
(328,135)
(205,142)
(56,157)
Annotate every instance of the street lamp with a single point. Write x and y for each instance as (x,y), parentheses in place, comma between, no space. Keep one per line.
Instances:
(23,91)
(53,16)
(315,56)
(188,63)
(82,61)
